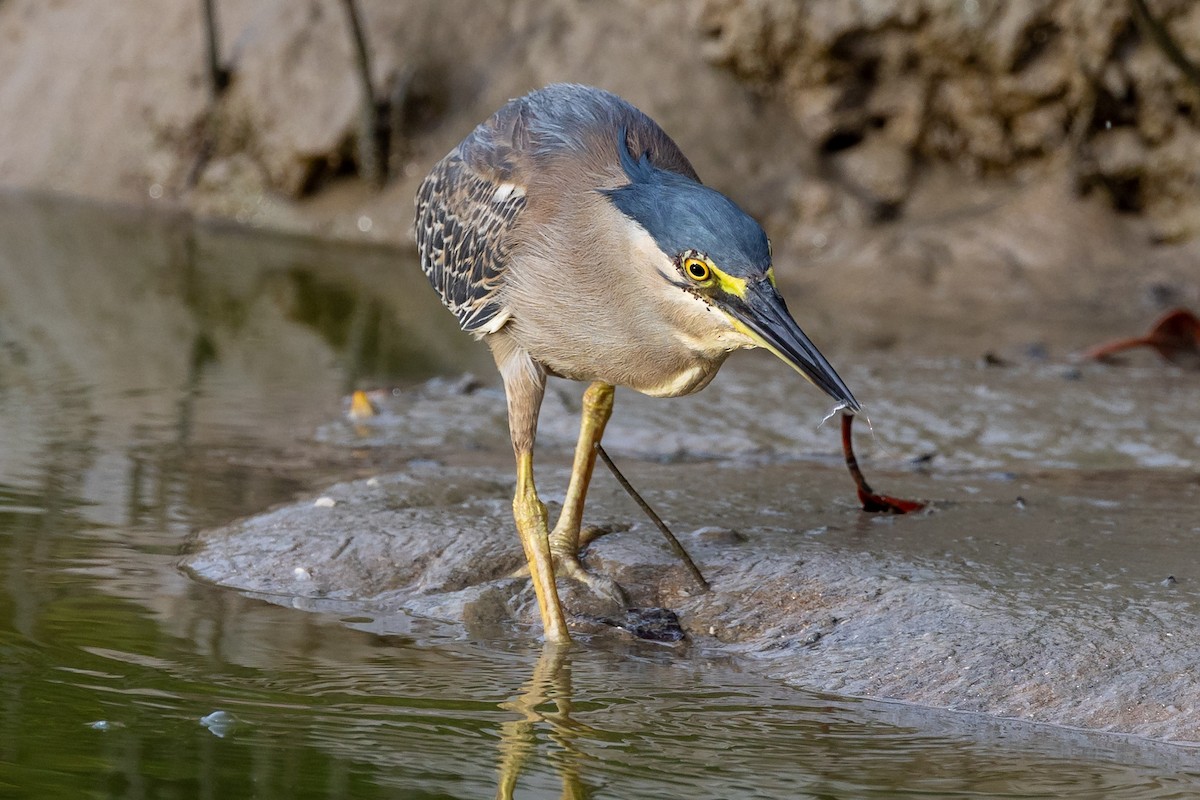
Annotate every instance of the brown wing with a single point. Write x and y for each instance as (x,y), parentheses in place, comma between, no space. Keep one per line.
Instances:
(466,208)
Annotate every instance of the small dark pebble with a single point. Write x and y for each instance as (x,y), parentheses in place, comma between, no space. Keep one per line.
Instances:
(1019,503)
(1072,374)
(1037,351)
(924,458)
(990,359)
(812,638)
(1169,581)
(1160,295)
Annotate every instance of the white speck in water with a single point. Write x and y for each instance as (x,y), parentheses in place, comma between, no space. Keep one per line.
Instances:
(819,240)
(219,723)
(103,725)
(155,191)
(301,574)
(372,481)
(1108,124)
(325,502)
(365,223)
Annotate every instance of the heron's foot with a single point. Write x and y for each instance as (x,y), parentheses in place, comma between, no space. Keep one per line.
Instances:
(587,592)
(600,592)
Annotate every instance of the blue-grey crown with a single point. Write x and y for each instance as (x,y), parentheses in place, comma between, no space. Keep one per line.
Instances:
(681,214)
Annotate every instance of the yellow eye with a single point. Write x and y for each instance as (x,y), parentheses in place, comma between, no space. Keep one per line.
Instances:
(697,270)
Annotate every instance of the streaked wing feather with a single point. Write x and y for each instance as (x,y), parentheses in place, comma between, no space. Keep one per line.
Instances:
(465,210)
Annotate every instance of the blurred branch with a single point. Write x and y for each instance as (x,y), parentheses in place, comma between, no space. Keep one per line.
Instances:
(218,76)
(370,153)
(1082,161)
(1157,32)
(397,119)
(218,81)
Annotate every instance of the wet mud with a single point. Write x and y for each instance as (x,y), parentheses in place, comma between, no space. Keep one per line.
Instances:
(1048,580)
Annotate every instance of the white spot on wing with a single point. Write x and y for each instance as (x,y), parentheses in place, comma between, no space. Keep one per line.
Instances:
(506,191)
(494,324)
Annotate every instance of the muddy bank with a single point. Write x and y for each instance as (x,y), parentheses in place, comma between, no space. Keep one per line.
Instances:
(1039,173)
(830,110)
(1002,88)
(278,148)
(1045,584)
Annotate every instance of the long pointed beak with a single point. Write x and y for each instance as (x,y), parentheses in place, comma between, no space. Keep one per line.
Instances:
(765,317)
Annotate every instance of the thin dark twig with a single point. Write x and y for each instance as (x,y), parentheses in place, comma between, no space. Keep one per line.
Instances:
(1082,161)
(397,119)
(218,76)
(655,518)
(1158,33)
(218,81)
(369,151)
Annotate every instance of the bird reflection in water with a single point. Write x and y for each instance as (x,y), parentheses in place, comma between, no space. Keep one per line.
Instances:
(545,698)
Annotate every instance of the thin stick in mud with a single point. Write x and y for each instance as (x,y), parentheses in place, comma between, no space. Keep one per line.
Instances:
(697,576)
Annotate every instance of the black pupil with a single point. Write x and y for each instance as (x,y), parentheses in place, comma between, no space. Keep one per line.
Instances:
(697,270)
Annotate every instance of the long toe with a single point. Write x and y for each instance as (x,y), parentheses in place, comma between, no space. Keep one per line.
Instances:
(586,593)
(562,541)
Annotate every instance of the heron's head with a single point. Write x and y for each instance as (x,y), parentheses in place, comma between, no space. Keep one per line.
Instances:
(717,253)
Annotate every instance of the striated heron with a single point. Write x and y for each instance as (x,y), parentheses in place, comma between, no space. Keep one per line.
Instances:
(570,234)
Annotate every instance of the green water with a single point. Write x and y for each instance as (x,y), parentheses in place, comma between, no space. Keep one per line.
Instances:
(158,377)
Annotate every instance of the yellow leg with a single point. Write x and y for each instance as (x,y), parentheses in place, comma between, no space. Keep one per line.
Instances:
(597,408)
(530,516)
(565,540)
